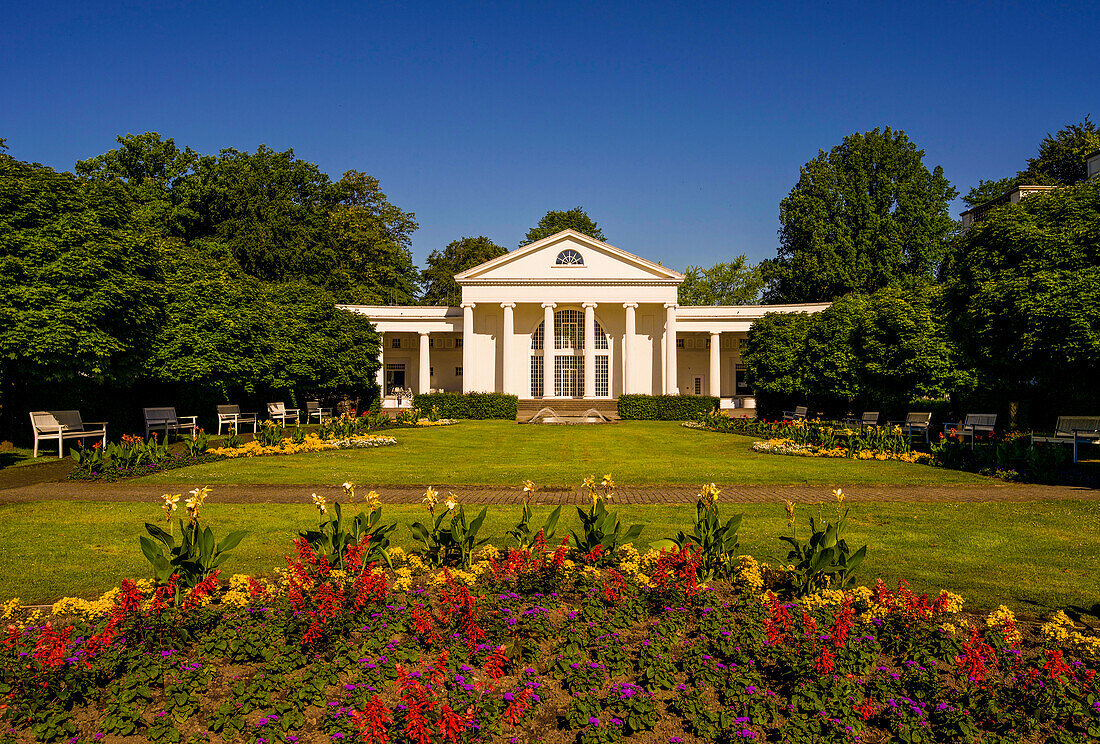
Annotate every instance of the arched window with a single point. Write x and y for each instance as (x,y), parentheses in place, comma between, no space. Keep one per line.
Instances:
(568,356)
(569,257)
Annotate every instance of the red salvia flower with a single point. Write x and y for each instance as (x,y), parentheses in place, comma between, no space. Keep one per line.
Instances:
(414,696)
(52,647)
(202,590)
(494,665)
(451,724)
(973,660)
(843,625)
(521,702)
(1056,666)
(866,711)
(373,722)
(593,555)
(825,661)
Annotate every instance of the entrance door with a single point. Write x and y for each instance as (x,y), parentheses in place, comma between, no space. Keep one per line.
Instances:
(395,377)
(568,376)
(697,385)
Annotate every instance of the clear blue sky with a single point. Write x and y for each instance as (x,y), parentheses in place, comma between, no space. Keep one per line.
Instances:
(678,126)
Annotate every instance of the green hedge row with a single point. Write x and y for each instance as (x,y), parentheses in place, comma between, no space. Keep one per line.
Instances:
(469,405)
(665,407)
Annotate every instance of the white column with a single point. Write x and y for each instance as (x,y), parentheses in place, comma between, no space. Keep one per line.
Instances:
(467,347)
(424,379)
(671,388)
(381,365)
(589,349)
(628,347)
(548,349)
(715,378)
(507,382)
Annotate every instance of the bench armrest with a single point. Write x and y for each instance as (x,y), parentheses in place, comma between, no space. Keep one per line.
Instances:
(102,424)
(194,419)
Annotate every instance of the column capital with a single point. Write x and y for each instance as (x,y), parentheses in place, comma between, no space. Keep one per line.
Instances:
(505,305)
(630,305)
(550,305)
(671,306)
(715,333)
(592,305)
(424,333)
(470,305)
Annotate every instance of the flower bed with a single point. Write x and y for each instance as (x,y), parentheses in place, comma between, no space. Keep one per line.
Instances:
(111,472)
(794,449)
(309,443)
(543,644)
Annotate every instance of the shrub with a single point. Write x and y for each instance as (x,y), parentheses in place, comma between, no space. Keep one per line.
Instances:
(665,407)
(469,405)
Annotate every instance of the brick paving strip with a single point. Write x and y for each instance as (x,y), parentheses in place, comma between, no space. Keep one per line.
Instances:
(499,495)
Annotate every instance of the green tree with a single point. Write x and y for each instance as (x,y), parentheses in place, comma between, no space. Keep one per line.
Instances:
(734,282)
(862,216)
(775,359)
(372,240)
(1023,299)
(438,275)
(555,221)
(1062,156)
(1061,160)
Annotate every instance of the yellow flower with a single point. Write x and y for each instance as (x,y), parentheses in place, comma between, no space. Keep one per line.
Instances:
(451,503)
(528,489)
(710,491)
(608,484)
(198,497)
(790,513)
(374,500)
(319,502)
(431,498)
(839,495)
(171,503)
(349,490)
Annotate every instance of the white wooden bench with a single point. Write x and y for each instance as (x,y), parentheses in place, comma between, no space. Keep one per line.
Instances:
(166,419)
(230,416)
(279,412)
(916,423)
(1072,430)
(974,423)
(313,408)
(57,426)
(799,412)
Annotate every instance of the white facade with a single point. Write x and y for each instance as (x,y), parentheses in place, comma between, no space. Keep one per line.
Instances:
(561,293)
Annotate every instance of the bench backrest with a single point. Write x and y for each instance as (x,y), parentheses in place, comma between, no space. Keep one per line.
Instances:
(313,405)
(980,421)
(1069,424)
(275,408)
(918,418)
(801,410)
(231,409)
(44,421)
(69,419)
(160,415)
(870,418)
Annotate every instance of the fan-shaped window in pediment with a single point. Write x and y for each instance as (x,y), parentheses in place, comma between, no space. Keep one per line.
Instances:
(569,257)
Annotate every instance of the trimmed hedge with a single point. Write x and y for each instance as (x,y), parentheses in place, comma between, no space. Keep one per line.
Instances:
(469,405)
(665,407)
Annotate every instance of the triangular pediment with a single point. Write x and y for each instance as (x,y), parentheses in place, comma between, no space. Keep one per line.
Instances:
(583,260)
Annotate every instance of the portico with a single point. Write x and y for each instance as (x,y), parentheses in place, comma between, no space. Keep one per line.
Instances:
(567,317)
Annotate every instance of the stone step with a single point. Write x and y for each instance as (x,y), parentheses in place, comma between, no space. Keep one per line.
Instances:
(566,407)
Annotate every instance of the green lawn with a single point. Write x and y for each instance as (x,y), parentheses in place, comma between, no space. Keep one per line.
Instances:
(503,452)
(1034,557)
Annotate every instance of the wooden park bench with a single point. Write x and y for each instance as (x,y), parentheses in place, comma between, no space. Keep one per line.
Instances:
(868,419)
(799,412)
(61,425)
(973,424)
(229,415)
(279,412)
(916,423)
(313,408)
(166,419)
(1072,430)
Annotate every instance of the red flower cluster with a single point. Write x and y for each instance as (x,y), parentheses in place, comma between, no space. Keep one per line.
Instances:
(825,661)
(494,665)
(677,569)
(778,623)
(460,607)
(613,591)
(52,647)
(593,555)
(521,702)
(202,590)
(845,619)
(1055,665)
(975,654)
(373,722)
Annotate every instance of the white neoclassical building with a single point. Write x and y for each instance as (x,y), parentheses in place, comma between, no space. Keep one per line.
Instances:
(568,317)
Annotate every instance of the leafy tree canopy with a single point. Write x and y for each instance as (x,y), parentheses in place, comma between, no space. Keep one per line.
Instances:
(1061,160)
(437,278)
(862,216)
(735,282)
(554,222)
(1023,291)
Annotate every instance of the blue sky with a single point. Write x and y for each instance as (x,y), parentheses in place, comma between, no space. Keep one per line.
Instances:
(679,127)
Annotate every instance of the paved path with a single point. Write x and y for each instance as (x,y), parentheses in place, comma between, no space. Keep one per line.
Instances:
(734,494)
